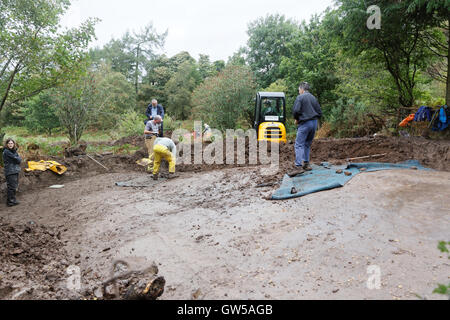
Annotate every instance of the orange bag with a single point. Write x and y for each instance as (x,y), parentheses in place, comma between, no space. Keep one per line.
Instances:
(407,120)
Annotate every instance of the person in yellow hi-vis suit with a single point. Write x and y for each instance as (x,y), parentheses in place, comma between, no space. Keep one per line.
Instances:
(164,148)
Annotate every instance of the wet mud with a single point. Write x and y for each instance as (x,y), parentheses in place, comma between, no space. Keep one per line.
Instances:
(213,235)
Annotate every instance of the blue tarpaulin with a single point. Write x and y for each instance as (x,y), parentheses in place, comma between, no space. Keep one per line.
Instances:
(325,177)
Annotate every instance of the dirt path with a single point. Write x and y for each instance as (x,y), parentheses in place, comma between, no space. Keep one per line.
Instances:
(213,231)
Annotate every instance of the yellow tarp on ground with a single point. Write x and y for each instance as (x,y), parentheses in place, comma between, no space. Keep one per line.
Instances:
(46,165)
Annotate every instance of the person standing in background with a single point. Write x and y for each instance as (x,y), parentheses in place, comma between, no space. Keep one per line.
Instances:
(11,160)
(306,112)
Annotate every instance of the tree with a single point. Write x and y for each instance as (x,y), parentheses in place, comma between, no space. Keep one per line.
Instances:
(238,58)
(131,54)
(366,82)
(158,74)
(219,65)
(208,69)
(396,44)
(115,97)
(177,60)
(267,42)
(114,53)
(159,71)
(75,101)
(205,68)
(34,55)
(312,58)
(437,39)
(40,114)
(142,46)
(179,90)
(223,100)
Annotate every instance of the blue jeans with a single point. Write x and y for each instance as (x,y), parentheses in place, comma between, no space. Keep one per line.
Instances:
(305,135)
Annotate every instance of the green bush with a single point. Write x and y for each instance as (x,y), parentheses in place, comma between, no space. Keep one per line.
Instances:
(130,124)
(40,115)
(223,100)
(171,124)
(349,118)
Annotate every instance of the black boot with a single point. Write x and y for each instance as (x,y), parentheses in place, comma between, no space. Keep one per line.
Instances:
(306,166)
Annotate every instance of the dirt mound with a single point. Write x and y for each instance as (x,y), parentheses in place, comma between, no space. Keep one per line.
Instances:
(132,140)
(430,153)
(32,262)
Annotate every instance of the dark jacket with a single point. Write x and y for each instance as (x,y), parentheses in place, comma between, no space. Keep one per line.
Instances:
(306,107)
(11,160)
(159,108)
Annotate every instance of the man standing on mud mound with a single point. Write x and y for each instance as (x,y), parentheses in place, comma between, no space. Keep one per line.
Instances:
(151,133)
(154,109)
(164,148)
(306,113)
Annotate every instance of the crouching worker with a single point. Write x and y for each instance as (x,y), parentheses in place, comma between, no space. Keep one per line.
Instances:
(151,132)
(11,160)
(164,148)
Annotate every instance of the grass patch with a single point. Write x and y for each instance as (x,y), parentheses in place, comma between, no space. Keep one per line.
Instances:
(54,144)
(21,134)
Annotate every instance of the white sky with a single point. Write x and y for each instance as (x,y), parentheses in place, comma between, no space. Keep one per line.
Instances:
(215,27)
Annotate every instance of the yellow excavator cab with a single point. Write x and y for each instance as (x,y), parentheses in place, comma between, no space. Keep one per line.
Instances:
(270,116)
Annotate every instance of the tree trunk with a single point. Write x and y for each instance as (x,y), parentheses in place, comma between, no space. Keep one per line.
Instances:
(8,88)
(136,80)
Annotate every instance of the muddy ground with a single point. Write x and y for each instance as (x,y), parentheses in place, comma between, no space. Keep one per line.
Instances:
(214,236)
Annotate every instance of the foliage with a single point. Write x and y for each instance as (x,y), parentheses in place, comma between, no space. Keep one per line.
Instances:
(34,55)
(267,44)
(131,124)
(368,82)
(396,44)
(349,118)
(159,71)
(278,86)
(115,97)
(224,99)
(75,102)
(442,288)
(437,37)
(312,58)
(238,58)
(179,90)
(130,54)
(40,114)
(170,124)
(205,68)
